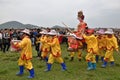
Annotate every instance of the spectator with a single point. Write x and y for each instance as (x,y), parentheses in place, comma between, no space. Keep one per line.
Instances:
(6,40)
(0,40)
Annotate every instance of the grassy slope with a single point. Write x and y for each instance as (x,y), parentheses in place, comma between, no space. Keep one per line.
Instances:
(76,70)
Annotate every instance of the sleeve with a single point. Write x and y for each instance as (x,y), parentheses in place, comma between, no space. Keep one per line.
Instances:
(54,42)
(43,39)
(22,43)
(115,43)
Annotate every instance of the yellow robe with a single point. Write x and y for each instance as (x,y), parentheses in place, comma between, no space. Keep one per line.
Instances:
(26,47)
(111,43)
(92,43)
(101,42)
(44,46)
(55,47)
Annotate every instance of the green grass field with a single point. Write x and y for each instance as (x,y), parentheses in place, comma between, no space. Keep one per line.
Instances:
(76,69)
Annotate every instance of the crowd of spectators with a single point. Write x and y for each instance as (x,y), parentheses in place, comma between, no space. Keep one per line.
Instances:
(6,35)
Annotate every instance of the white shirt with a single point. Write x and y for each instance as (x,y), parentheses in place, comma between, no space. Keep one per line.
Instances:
(0,35)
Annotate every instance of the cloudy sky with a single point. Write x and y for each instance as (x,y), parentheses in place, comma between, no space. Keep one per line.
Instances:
(47,13)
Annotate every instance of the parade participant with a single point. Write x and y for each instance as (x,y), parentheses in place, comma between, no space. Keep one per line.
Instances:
(74,46)
(92,48)
(55,51)
(79,52)
(80,41)
(111,44)
(26,54)
(1,40)
(6,40)
(45,48)
(101,44)
(82,26)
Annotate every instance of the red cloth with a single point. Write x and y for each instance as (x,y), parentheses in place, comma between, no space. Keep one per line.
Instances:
(82,26)
(60,39)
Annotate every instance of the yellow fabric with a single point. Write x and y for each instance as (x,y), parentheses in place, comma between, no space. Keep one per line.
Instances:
(45,47)
(72,54)
(109,55)
(44,54)
(92,47)
(111,43)
(90,57)
(101,52)
(26,63)
(52,58)
(101,41)
(101,44)
(55,47)
(92,43)
(55,50)
(79,52)
(26,47)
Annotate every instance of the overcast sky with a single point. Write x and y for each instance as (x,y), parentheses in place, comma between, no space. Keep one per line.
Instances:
(47,13)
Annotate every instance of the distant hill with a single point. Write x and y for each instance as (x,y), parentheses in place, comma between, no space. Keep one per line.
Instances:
(19,25)
(30,26)
(16,25)
(57,26)
(61,27)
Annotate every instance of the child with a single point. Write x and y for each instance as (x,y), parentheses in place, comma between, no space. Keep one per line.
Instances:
(26,54)
(101,44)
(55,51)
(44,47)
(74,46)
(92,48)
(111,44)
